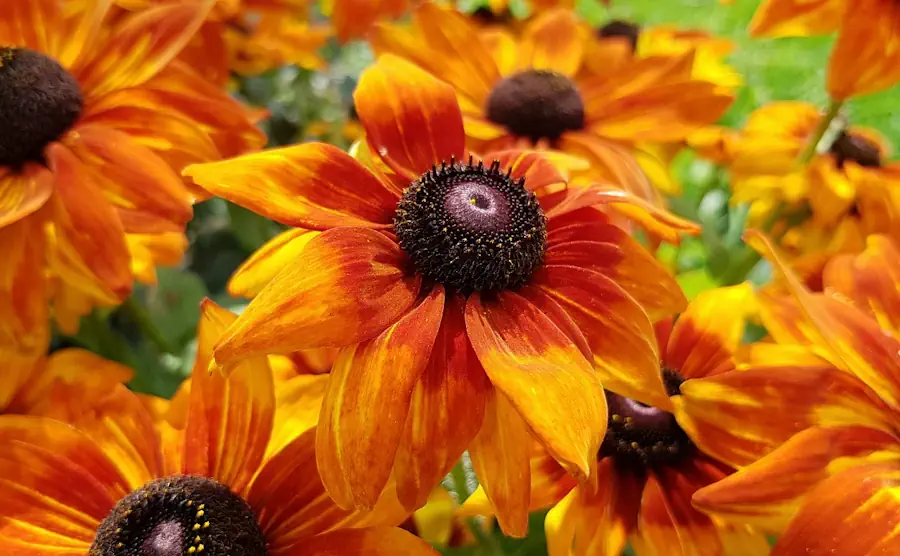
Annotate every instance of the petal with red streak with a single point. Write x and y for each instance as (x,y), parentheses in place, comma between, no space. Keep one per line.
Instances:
(374,541)
(536,169)
(23,192)
(350,285)
(266,262)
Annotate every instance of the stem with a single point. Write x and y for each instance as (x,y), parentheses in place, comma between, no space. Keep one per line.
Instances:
(139,314)
(834,108)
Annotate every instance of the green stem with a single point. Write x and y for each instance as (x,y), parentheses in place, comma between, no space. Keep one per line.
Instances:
(834,108)
(140,317)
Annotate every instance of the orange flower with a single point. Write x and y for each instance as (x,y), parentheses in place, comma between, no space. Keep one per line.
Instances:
(866,56)
(249,37)
(90,194)
(469,296)
(114,480)
(352,19)
(541,90)
(832,485)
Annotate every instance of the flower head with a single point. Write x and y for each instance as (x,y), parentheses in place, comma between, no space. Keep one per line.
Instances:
(470,297)
(97,127)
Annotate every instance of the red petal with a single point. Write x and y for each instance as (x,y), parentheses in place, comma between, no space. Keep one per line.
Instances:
(412,120)
(535,168)
(376,541)
(367,403)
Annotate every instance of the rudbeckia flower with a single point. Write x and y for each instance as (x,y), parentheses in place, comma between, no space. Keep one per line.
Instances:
(249,37)
(115,482)
(866,56)
(832,487)
(539,90)
(96,128)
(471,297)
(846,192)
(352,19)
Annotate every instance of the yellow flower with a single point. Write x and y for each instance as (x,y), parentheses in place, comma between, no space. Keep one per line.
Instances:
(90,155)
(114,480)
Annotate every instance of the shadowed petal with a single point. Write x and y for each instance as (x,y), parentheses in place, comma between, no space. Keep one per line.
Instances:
(349,286)
(412,120)
(313,185)
(367,403)
(543,374)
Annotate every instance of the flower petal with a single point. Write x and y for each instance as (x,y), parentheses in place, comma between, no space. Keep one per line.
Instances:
(543,374)
(445,413)
(87,223)
(312,185)
(24,287)
(767,494)
(553,41)
(587,239)
(374,541)
(610,162)
(266,262)
(353,18)
(501,462)
(536,169)
(351,285)
(796,18)
(56,486)
(22,193)
(617,329)
(157,33)
(298,403)
(412,120)
(866,57)
(230,418)
(856,511)
(367,403)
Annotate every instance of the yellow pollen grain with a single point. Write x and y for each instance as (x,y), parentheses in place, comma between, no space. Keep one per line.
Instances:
(196,526)
(197,539)
(472,201)
(200,513)
(191,550)
(200,548)
(206,525)
(119,545)
(616,418)
(635,445)
(201,507)
(189,503)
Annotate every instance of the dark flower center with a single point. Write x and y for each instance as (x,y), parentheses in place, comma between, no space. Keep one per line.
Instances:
(179,516)
(39,101)
(471,228)
(620,28)
(644,436)
(855,148)
(537,104)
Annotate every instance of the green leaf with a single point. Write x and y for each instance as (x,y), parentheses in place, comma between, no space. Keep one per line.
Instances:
(696,282)
(173,305)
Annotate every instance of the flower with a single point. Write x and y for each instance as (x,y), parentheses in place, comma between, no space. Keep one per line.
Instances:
(830,488)
(469,296)
(90,192)
(827,206)
(249,37)
(352,19)
(652,459)
(505,84)
(866,56)
(114,480)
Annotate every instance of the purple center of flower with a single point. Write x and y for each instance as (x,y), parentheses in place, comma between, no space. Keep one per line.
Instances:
(471,228)
(536,104)
(855,148)
(39,101)
(620,28)
(179,516)
(641,435)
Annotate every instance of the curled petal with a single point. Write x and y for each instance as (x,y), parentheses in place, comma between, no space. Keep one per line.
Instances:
(22,193)
(412,120)
(349,286)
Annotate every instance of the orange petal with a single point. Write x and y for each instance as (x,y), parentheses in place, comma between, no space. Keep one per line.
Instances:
(36,24)
(553,41)
(501,461)
(586,239)
(618,331)
(412,120)
(854,512)
(543,374)
(24,295)
(149,196)
(298,403)
(312,185)
(796,18)
(705,338)
(373,541)
(597,523)
(866,55)
(86,221)
(158,34)
(857,342)
(351,285)
(22,193)
(266,262)
(230,418)
(532,166)
(367,403)
(768,493)
(445,413)
(740,416)
(610,162)
(57,486)
(353,18)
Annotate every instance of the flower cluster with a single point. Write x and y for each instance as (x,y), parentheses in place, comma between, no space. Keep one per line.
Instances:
(543,265)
